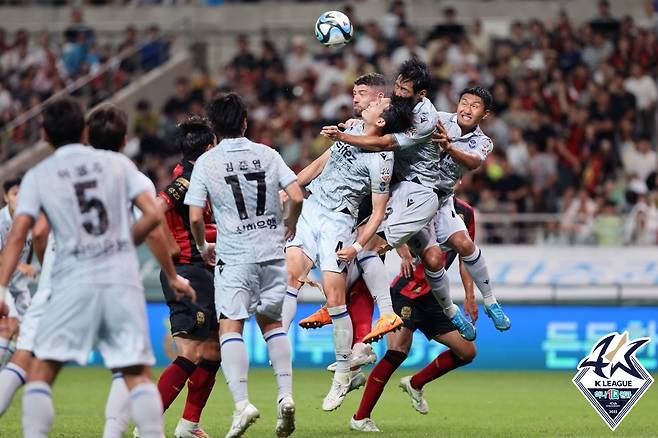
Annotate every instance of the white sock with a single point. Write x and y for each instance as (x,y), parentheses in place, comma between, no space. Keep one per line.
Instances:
(12,377)
(38,410)
(440,285)
(5,352)
(342,337)
(477,267)
(278,349)
(235,365)
(146,409)
(117,408)
(376,278)
(289,309)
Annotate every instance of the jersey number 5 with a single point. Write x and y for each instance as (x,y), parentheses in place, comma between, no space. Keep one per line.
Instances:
(89,204)
(234,182)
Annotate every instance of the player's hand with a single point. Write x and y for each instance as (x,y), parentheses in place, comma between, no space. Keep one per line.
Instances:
(283,197)
(346,254)
(407,267)
(440,137)
(208,254)
(331,132)
(181,287)
(27,270)
(349,123)
(471,309)
(291,230)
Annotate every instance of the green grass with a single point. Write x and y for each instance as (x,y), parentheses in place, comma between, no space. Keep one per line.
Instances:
(462,404)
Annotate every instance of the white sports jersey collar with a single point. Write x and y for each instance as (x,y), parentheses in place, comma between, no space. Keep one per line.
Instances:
(70,149)
(235,144)
(476,132)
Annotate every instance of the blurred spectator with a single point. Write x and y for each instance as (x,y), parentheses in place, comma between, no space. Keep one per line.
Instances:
(155,51)
(578,219)
(243,59)
(643,87)
(641,223)
(607,228)
(179,103)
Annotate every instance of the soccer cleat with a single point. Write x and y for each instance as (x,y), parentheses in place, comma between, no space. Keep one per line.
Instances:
(188,429)
(363,425)
(500,320)
(336,395)
(385,324)
(417,400)
(466,329)
(357,381)
(242,420)
(362,354)
(318,319)
(285,417)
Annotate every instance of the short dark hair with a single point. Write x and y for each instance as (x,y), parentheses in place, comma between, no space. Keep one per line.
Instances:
(227,113)
(64,121)
(371,80)
(415,71)
(107,128)
(7,185)
(480,92)
(195,134)
(399,116)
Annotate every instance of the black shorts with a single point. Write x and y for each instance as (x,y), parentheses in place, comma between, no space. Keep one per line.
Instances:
(197,320)
(423,313)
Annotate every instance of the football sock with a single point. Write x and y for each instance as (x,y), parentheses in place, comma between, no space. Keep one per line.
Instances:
(376,278)
(12,377)
(199,387)
(117,408)
(38,410)
(289,308)
(477,267)
(377,380)
(342,325)
(173,378)
(360,307)
(235,365)
(440,285)
(146,410)
(444,362)
(278,349)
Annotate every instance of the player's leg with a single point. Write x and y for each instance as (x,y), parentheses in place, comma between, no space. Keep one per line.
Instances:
(13,376)
(145,402)
(299,265)
(8,328)
(361,306)
(38,408)
(461,352)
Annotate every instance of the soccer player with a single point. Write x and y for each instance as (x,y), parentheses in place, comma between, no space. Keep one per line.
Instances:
(420,311)
(341,178)
(18,299)
(242,180)
(96,293)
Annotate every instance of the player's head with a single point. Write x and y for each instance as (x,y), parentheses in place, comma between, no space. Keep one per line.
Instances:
(474,105)
(107,127)
(388,116)
(63,122)
(367,88)
(228,115)
(195,137)
(413,80)
(10,195)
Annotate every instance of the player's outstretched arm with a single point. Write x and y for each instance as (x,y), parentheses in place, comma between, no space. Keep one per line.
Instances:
(440,139)
(368,142)
(295,201)
(470,306)
(379,201)
(151,217)
(310,172)
(11,253)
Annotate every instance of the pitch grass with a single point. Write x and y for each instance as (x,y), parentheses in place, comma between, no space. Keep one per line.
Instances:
(462,404)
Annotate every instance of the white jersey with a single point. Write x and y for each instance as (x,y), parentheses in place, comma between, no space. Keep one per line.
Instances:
(416,158)
(450,171)
(47,265)
(85,193)
(18,282)
(350,175)
(242,180)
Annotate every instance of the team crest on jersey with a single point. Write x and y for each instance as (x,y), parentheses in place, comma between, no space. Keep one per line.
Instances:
(472,143)
(611,378)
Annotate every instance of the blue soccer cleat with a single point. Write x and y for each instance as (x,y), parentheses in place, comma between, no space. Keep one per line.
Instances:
(500,320)
(466,329)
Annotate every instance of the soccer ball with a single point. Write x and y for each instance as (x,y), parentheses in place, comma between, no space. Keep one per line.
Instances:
(333,29)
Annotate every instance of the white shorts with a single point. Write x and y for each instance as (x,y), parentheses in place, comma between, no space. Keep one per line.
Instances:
(31,320)
(410,209)
(80,318)
(18,303)
(447,222)
(321,232)
(245,289)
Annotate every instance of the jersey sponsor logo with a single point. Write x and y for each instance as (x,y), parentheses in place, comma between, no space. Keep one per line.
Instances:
(611,378)
(345,151)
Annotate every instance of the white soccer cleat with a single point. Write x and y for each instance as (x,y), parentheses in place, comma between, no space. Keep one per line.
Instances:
(136,433)
(417,400)
(364,425)
(362,354)
(357,381)
(336,395)
(285,417)
(242,420)
(188,429)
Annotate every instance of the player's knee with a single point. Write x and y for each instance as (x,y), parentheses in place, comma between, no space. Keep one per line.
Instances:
(467,353)
(463,244)
(432,259)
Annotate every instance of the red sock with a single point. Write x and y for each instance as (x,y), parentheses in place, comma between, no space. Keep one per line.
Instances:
(360,307)
(444,362)
(199,386)
(377,381)
(173,379)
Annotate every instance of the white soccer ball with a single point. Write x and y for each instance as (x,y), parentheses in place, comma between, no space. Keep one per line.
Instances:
(333,29)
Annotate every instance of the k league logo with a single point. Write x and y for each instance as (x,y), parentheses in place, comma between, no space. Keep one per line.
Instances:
(611,378)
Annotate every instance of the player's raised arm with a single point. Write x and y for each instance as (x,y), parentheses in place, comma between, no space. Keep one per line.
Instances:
(373,143)
(310,172)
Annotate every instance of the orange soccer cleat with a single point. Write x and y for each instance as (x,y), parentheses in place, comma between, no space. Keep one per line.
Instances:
(385,324)
(318,319)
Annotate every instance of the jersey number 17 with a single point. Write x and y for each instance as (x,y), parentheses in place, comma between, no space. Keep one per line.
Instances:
(234,182)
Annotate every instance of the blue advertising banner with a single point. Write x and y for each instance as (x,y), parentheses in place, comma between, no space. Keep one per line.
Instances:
(541,338)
